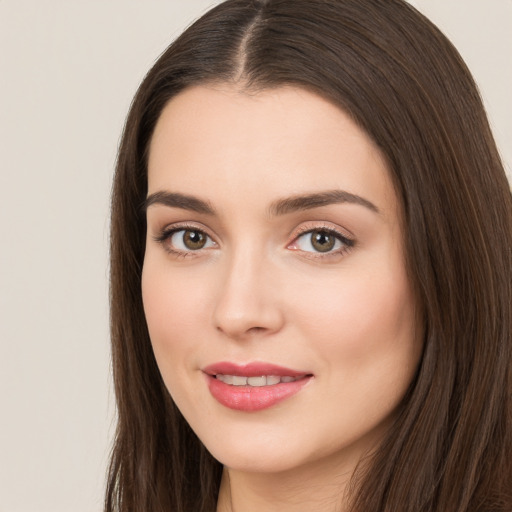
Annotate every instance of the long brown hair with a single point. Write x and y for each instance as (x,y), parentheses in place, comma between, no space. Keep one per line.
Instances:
(404,83)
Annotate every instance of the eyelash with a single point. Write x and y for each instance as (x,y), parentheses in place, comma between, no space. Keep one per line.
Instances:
(347,244)
(166,234)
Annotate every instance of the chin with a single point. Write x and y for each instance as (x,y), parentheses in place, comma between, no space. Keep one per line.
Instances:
(247,450)
(256,459)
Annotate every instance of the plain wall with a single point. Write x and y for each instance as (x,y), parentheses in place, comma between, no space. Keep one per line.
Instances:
(68,71)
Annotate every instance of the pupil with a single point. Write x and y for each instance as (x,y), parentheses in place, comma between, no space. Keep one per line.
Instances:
(322,241)
(194,240)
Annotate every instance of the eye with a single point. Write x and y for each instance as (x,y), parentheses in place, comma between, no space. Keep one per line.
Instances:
(185,240)
(322,241)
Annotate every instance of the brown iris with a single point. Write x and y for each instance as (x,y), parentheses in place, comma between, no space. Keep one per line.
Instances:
(322,241)
(194,240)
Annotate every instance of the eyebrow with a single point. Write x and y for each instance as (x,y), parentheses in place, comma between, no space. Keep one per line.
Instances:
(316,200)
(279,207)
(176,200)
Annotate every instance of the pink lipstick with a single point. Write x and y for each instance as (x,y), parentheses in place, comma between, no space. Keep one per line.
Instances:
(254,386)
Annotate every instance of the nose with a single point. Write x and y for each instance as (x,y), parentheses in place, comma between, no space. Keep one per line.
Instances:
(248,302)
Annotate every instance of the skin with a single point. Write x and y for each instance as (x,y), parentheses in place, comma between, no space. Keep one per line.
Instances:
(260,291)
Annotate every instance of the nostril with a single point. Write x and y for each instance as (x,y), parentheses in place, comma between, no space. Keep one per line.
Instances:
(256,329)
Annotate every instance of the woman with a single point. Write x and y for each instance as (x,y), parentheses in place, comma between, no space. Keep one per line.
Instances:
(311,261)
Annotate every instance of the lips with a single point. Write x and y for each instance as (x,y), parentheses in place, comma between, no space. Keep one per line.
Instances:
(254,386)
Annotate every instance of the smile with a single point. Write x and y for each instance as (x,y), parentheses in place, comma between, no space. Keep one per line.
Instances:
(253,387)
(257,382)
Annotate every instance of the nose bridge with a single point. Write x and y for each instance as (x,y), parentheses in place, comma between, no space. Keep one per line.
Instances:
(247,300)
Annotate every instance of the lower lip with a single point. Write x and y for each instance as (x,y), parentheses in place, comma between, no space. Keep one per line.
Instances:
(248,398)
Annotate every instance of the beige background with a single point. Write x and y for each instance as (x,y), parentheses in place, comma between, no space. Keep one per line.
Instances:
(68,70)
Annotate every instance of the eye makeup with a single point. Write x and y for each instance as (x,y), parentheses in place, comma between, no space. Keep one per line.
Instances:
(322,240)
(313,240)
(184,240)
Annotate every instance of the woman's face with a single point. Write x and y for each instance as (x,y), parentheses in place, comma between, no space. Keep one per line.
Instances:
(274,284)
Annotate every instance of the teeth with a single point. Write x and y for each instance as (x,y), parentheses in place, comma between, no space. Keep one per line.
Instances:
(257,381)
(239,381)
(263,380)
(228,379)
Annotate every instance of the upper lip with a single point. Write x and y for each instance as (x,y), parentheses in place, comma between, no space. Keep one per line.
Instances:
(255,369)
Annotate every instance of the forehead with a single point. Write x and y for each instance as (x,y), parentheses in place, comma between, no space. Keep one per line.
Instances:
(228,143)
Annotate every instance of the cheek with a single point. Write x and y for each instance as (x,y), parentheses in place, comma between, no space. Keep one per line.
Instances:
(364,326)
(363,330)
(172,306)
(173,309)
(357,305)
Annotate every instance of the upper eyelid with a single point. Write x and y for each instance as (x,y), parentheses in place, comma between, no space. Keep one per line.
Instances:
(345,240)
(322,226)
(185,225)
